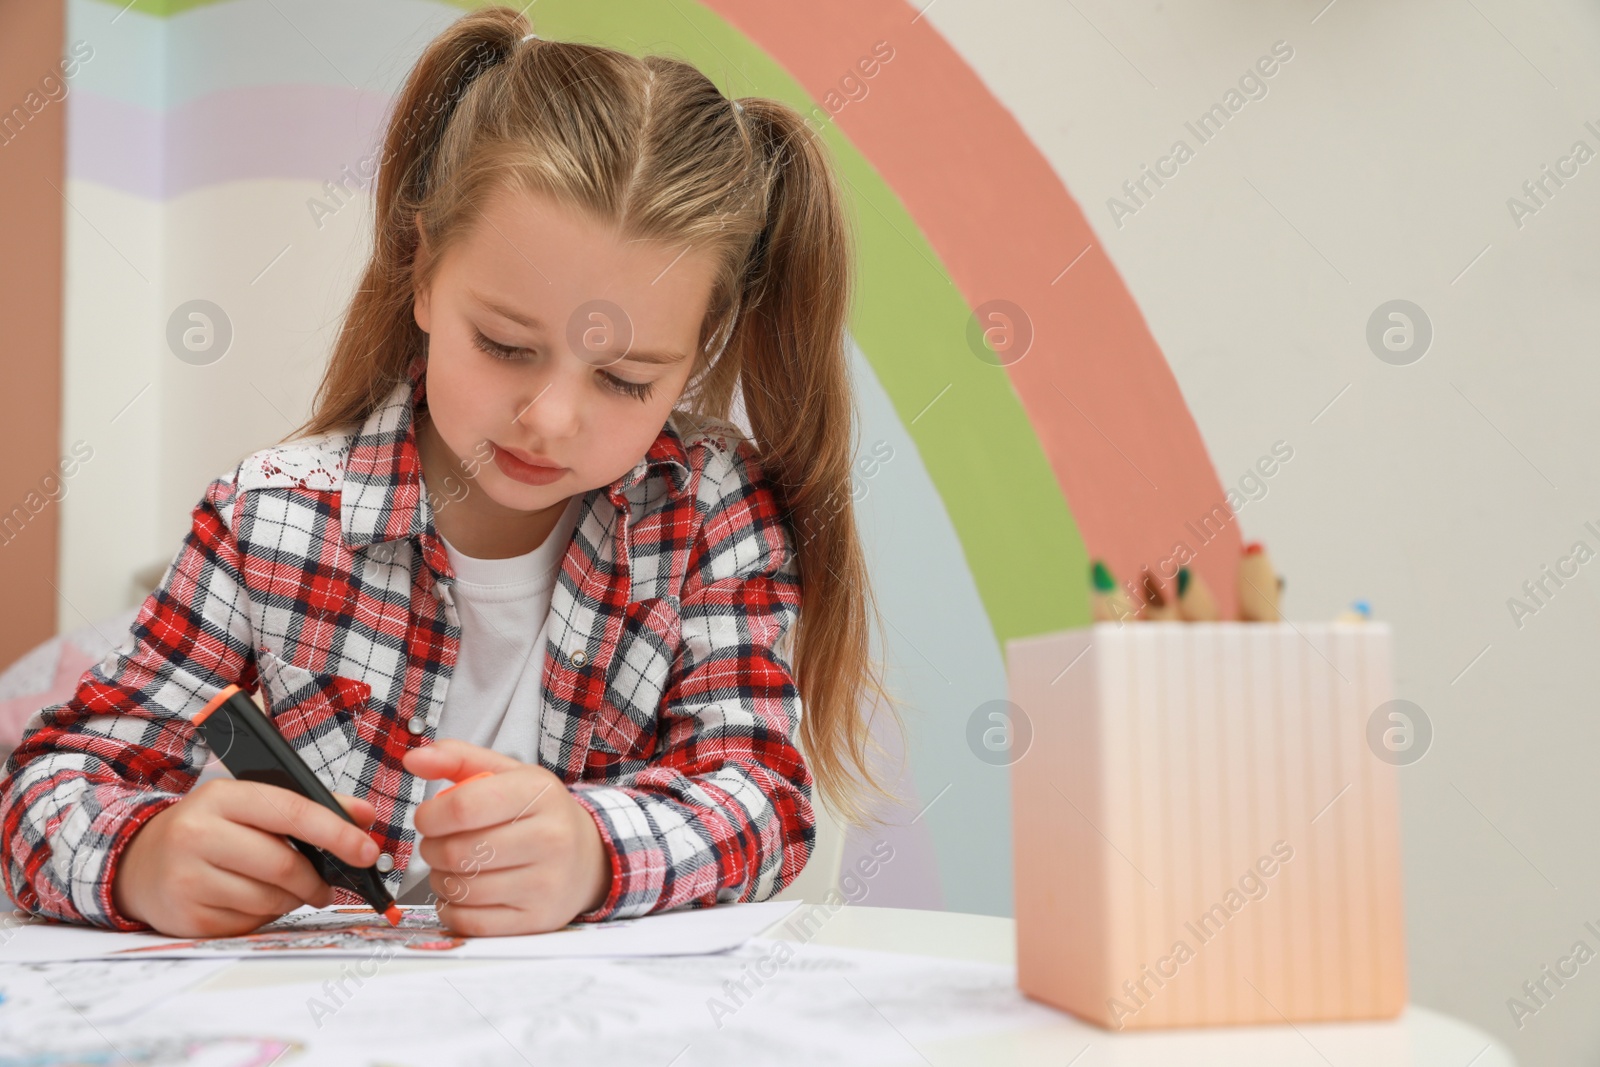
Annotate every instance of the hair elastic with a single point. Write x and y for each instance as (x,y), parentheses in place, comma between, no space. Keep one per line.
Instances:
(531,37)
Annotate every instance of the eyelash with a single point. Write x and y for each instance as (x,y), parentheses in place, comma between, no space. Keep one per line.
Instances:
(637,390)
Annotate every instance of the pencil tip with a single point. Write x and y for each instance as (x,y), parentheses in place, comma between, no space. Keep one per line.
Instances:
(1152,591)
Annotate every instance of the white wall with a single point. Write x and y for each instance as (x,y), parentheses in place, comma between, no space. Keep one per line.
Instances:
(1388,147)
(111,399)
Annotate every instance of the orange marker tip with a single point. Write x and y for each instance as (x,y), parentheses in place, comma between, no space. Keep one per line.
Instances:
(464,781)
(1251,548)
(393,914)
(215,703)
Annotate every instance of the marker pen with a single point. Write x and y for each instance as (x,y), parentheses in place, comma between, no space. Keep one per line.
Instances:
(254,751)
(464,781)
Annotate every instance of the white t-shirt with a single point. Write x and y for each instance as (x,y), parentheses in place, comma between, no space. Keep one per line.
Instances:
(493,697)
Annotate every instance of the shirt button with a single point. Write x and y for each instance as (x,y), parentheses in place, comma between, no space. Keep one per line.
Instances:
(578,657)
(385,863)
(417,724)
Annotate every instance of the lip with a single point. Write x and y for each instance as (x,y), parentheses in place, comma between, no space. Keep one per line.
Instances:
(526,467)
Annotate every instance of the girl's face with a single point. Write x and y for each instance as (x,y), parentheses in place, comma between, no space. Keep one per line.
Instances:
(556,351)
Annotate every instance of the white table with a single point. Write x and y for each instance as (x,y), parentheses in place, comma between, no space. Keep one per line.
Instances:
(1419,1038)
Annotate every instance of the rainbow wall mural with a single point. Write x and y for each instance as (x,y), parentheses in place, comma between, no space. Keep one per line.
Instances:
(1002,476)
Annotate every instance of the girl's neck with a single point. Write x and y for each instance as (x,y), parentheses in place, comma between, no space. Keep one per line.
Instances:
(475,525)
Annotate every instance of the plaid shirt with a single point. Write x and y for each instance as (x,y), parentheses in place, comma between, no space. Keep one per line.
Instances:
(313,573)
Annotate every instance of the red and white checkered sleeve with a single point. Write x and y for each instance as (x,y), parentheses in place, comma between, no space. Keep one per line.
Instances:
(723,811)
(90,772)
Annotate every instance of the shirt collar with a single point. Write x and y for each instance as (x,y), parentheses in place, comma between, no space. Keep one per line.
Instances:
(384,498)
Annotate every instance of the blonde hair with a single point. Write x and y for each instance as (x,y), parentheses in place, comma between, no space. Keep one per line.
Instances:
(650,144)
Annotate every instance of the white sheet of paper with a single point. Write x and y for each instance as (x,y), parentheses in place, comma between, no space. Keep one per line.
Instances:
(357,931)
(38,997)
(766,1002)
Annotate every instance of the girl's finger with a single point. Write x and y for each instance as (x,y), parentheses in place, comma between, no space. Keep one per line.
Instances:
(279,811)
(497,848)
(493,920)
(223,922)
(455,759)
(234,892)
(362,811)
(512,886)
(264,857)
(503,798)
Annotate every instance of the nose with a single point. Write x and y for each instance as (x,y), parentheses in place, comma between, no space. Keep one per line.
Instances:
(550,407)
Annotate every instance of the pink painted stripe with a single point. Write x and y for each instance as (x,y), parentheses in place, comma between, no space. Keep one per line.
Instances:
(1095,385)
(305,132)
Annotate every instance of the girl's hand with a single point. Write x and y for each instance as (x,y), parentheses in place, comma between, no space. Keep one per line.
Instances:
(514,853)
(216,863)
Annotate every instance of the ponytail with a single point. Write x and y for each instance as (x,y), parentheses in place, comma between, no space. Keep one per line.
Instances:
(788,344)
(380,338)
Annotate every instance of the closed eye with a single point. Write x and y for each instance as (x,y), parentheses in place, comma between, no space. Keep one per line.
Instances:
(637,390)
(498,351)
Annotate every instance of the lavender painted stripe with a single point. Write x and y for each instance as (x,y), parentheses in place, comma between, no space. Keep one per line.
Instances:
(113,143)
(306,132)
(169,61)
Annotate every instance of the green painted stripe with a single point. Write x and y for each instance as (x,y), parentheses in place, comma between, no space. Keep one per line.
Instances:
(161,9)
(1027,558)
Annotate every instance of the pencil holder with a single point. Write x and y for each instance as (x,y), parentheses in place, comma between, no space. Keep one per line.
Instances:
(1203,832)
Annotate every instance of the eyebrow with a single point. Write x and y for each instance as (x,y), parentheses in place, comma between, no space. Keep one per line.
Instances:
(533,323)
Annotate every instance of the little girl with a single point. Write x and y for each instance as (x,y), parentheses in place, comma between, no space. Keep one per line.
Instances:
(518,545)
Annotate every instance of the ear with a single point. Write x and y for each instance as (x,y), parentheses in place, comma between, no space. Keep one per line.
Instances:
(420,292)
